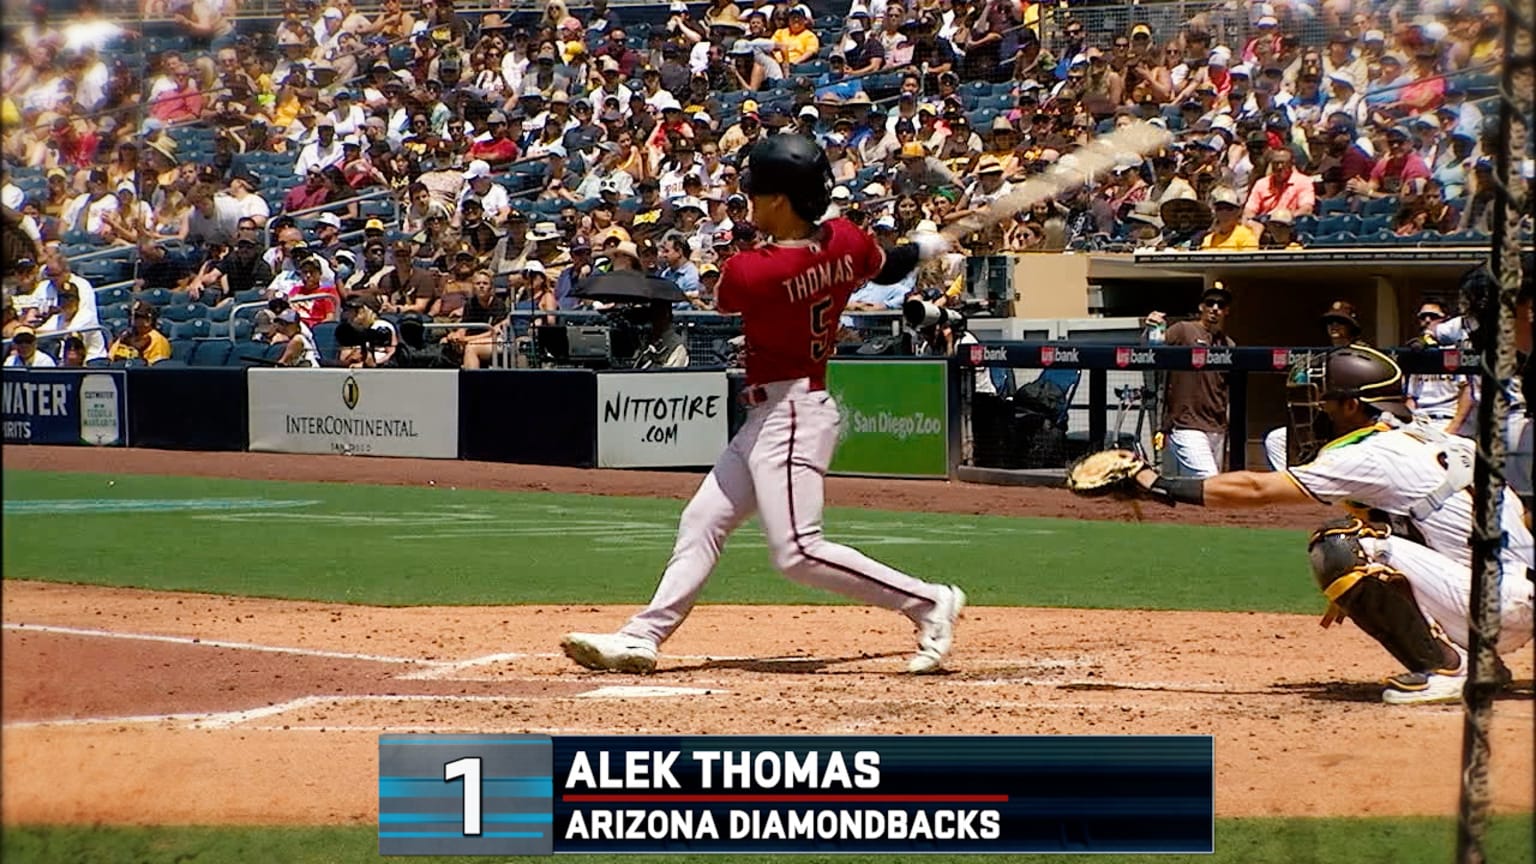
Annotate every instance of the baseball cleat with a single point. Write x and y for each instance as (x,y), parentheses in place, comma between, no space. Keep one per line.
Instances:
(610,652)
(1421,688)
(1440,687)
(936,633)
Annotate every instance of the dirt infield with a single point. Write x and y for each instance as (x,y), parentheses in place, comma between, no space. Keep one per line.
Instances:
(918,495)
(140,707)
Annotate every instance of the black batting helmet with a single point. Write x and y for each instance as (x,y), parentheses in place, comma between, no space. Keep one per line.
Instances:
(793,166)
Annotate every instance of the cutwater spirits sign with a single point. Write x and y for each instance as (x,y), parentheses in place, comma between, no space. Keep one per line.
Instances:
(66,406)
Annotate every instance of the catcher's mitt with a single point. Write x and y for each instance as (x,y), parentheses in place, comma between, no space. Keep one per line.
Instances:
(1107,472)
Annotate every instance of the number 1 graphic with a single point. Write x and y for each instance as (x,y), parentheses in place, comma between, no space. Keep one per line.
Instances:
(469,769)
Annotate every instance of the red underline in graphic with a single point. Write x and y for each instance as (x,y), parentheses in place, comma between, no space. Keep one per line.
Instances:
(785,799)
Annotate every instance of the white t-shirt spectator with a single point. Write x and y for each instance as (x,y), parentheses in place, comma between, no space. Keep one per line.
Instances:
(40,360)
(316,154)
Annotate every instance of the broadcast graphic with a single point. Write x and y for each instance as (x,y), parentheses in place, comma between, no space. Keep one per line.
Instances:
(749,795)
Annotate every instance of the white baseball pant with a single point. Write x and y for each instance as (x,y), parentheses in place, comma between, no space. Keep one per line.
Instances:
(1197,453)
(775,466)
(1276,443)
(1443,589)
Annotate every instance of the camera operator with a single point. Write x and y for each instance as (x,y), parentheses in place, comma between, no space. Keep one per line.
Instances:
(938,333)
(367,341)
(664,347)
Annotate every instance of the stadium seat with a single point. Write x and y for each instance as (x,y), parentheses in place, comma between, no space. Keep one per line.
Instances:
(1372,224)
(249,296)
(1306,225)
(181,349)
(1332,206)
(1338,224)
(112,296)
(197,328)
(129,363)
(154,296)
(1342,238)
(183,311)
(377,209)
(211,352)
(1379,206)
(325,339)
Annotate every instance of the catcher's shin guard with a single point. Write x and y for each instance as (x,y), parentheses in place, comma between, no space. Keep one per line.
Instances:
(1378,598)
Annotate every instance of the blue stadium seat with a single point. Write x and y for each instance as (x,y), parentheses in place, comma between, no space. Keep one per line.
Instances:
(154,296)
(1338,224)
(976,88)
(220,313)
(1306,225)
(211,352)
(1332,206)
(129,363)
(101,270)
(181,349)
(377,209)
(183,311)
(1342,238)
(112,297)
(1373,224)
(249,296)
(1379,206)
(198,328)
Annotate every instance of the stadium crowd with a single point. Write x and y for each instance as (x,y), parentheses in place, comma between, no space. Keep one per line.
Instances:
(209,171)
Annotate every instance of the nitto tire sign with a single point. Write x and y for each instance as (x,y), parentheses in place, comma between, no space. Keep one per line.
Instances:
(66,407)
(660,419)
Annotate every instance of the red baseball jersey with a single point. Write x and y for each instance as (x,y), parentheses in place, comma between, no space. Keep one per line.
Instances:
(791,295)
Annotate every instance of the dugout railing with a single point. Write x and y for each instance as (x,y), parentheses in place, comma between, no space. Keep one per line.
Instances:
(1059,400)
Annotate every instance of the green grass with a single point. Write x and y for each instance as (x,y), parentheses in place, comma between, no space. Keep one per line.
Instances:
(393,545)
(1238,841)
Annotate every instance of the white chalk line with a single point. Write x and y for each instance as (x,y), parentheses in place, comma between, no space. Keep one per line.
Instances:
(215,643)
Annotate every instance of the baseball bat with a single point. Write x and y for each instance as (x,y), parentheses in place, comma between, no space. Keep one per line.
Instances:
(1074,169)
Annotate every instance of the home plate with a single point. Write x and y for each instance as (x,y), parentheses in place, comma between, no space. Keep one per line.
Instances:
(623,692)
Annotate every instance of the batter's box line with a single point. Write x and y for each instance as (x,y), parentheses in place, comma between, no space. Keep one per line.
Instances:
(232,719)
(217,643)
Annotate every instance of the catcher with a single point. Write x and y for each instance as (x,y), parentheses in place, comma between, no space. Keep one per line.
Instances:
(1400,563)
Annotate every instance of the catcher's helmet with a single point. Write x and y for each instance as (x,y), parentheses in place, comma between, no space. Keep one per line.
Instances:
(793,166)
(1352,372)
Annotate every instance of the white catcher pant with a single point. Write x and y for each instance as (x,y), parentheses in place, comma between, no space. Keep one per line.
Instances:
(1443,590)
(1196,453)
(775,466)
(1275,445)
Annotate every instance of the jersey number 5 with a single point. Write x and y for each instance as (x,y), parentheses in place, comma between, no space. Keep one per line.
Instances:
(821,330)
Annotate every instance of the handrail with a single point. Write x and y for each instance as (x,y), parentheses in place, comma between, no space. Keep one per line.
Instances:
(106,336)
(235,310)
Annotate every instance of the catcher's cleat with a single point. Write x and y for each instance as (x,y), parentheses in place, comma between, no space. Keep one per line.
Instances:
(1424,688)
(936,633)
(1438,687)
(610,652)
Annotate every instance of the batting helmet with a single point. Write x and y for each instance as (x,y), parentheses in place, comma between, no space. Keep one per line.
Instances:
(793,166)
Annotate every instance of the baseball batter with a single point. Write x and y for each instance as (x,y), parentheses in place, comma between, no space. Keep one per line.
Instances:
(1400,565)
(790,293)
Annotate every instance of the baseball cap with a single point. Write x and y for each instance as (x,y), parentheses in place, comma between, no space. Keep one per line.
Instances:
(330,219)
(1225,195)
(374,225)
(1343,312)
(287,316)
(1216,290)
(477,169)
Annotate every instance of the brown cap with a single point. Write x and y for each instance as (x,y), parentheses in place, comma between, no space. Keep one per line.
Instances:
(1344,312)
